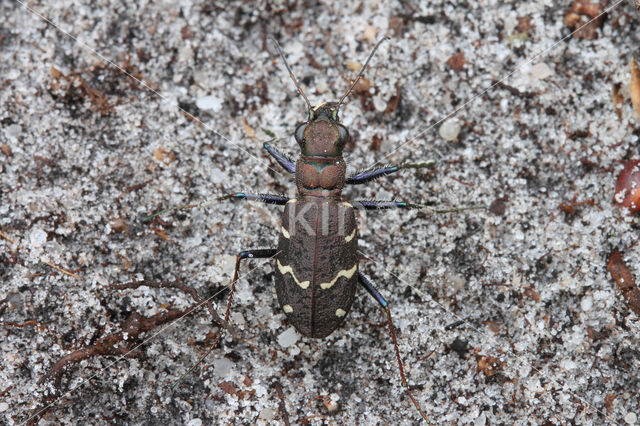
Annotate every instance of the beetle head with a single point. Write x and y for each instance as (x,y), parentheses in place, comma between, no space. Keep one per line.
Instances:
(322,135)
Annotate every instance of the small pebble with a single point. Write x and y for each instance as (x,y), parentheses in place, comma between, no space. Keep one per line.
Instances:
(3,407)
(288,338)
(631,418)
(267,414)
(587,303)
(37,237)
(370,33)
(209,103)
(541,71)
(450,129)
(222,367)
(195,422)
(13,131)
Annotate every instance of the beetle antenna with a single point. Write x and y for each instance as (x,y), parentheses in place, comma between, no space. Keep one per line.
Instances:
(293,77)
(362,70)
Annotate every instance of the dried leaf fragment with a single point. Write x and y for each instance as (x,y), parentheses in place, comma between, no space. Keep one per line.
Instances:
(524,24)
(489,365)
(585,17)
(456,62)
(228,388)
(247,128)
(624,281)
(627,192)
(618,99)
(635,87)
(161,155)
(610,398)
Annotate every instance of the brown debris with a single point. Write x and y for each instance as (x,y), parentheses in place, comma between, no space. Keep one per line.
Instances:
(80,85)
(570,207)
(618,100)
(161,155)
(123,343)
(498,206)
(394,101)
(456,62)
(524,24)
(610,398)
(635,87)
(532,294)
(282,408)
(488,365)
(228,388)
(376,143)
(120,343)
(627,192)
(624,281)
(585,17)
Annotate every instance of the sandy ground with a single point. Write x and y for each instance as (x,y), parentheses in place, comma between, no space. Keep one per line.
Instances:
(504,315)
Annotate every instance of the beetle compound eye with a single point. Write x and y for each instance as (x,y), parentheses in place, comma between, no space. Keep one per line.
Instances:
(300,134)
(343,138)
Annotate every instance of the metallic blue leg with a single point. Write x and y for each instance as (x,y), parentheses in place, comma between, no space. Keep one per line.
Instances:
(369,175)
(371,289)
(280,158)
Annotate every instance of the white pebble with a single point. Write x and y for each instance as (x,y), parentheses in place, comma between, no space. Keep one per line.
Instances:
(450,129)
(37,237)
(267,414)
(3,407)
(541,71)
(587,303)
(288,337)
(216,176)
(222,367)
(195,422)
(13,131)
(209,103)
(631,418)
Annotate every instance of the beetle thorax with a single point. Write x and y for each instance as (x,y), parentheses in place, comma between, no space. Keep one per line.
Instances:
(320,176)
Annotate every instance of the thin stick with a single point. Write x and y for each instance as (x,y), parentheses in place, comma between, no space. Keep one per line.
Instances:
(361,73)
(64,271)
(293,77)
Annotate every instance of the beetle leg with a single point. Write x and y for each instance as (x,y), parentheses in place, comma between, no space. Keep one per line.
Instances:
(280,158)
(246,254)
(364,281)
(264,198)
(384,205)
(279,200)
(369,175)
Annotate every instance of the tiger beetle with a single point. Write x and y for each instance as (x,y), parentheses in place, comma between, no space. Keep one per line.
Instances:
(317,255)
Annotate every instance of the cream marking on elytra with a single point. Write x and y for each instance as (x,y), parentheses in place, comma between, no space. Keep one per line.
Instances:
(293,200)
(287,269)
(344,273)
(285,233)
(287,309)
(344,203)
(350,237)
(340,313)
